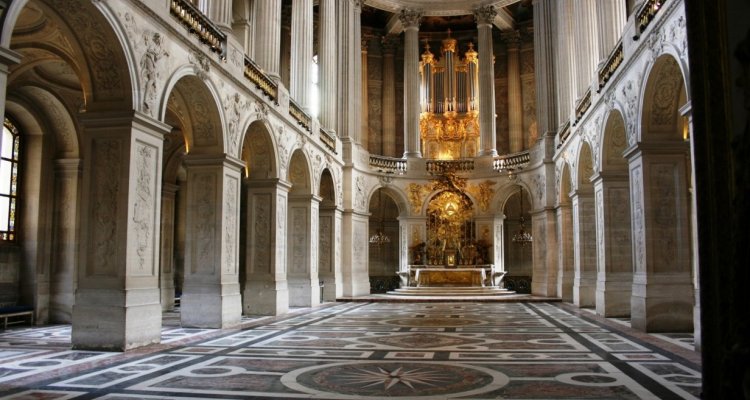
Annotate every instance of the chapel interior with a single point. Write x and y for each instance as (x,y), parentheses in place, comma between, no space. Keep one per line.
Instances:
(211,161)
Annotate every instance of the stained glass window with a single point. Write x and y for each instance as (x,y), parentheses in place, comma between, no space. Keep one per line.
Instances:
(10,150)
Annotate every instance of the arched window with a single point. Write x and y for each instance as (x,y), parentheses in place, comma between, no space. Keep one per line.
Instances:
(10,150)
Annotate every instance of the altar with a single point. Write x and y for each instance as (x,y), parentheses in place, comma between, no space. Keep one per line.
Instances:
(442,276)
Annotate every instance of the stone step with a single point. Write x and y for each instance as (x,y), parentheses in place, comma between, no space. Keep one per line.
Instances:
(451,291)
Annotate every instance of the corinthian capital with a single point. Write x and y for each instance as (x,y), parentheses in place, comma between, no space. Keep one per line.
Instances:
(485,14)
(410,18)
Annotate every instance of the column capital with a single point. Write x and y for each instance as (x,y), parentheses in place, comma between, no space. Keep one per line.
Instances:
(389,43)
(356,3)
(511,38)
(410,18)
(485,15)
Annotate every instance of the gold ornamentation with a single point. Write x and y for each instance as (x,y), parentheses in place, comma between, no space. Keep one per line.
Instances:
(483,192)
(416,194)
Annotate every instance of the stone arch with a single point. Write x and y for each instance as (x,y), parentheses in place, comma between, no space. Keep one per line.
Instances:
(383,258)
(566,184)
(259,152)
(203,125)
(584,167)
(398,197)
(299,174)
(614,142)
(664,93)
(518,259)
(83,36)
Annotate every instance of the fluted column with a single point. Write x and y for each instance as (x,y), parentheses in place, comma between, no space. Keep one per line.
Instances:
(611,17)
(515,103)
(565,71)
(350,58)
(365,121)
(410,19)
(545,31)
(327,63)
(389,96)
(586,46)
(268,36)
(220,13)
(484,17)
(302,51)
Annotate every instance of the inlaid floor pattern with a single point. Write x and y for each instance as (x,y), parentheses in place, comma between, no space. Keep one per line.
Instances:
(366,351)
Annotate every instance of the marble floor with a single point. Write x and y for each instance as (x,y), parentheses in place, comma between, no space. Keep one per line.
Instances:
(367,351)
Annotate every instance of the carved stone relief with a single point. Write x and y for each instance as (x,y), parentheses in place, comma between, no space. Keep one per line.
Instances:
(281,233)
(234,107)
(262,234)
(230,225)
(299,240)
(630,93)
(360,201)
(599,202)
(666,95)
(150,45)
(325,260)
(201,64)
(204,228)
(106,190)
(639,233)
(203,126)
(665,220)
(538,187)
(144,207)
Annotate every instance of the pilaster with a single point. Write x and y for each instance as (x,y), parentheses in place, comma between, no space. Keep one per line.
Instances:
(565,252)
(584,250)
(117,298)
(614,251)
(512,40)
(168,197)
(266,291)
(211,295)
(329,252)
(544,253)
(65,240)
(302,239)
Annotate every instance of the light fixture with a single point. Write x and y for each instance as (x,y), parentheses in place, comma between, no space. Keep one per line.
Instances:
(522,237)
(380,238)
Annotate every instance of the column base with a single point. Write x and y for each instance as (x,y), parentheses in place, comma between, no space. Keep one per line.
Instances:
(565,288)
(265,297)
(584,290)
(413,154)
(613,293)
(330,289)
(103,320)
(662,303)
(214,306)
(303,292)
(167,298)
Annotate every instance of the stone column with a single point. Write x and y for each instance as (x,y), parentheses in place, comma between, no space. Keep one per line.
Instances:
(117,298)
(611,17)
(168,196)
(564,55)
(485,16)
(515,102)
(365,129)
(65,240)
(544,253)
(242,25)
(355,248)
(545,33)
(389,96)
(614,253)
(220,13)
(266,291)
(8,58)
(350,73)
(687,113)
(565,257)
(302,52)
(411,19)
(211,292)
(662,283)
(327,65)
(268,36)
(329,251)
(302,239)
(584,250)
(586,45)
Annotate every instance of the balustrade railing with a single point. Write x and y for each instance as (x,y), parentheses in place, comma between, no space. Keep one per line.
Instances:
(302,118)
(646,14)
(196,22)
(564,134)
(388,165)
(443,166)
(328,140)
(583,105)
(613,62)
(511,162)
(256,75)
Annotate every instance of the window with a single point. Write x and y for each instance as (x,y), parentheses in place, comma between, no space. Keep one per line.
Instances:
(10,148)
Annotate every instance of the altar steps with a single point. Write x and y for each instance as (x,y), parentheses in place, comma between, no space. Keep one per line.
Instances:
(451,291)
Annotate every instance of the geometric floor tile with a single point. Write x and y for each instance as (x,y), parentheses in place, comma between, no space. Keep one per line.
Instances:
(367,351)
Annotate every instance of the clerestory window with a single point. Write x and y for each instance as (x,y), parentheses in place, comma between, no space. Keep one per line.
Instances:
(10,150)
